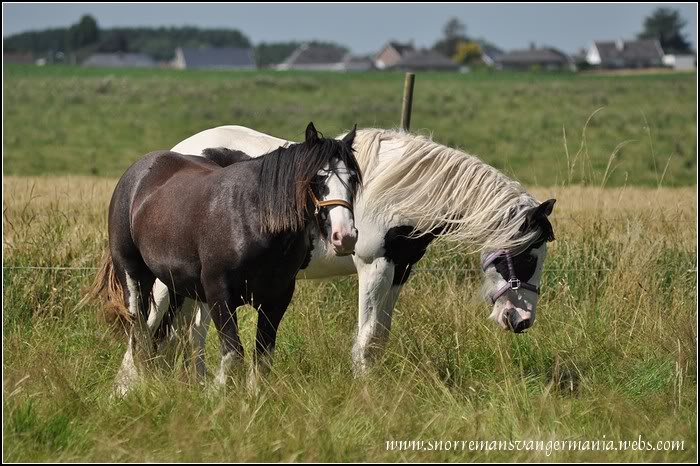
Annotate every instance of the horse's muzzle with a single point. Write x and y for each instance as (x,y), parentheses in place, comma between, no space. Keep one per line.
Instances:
(344,244)
(518,320)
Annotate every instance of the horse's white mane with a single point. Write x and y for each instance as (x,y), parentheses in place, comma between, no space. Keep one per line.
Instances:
(434,186)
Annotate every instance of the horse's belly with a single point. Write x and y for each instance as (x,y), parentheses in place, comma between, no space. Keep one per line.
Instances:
(181,276)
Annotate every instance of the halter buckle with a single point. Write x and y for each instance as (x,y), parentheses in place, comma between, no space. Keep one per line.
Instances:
(514,283)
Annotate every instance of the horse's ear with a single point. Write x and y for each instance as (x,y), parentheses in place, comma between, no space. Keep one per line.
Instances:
(350,137)
(546,207)
(311,133)
(542,210)
(537,218)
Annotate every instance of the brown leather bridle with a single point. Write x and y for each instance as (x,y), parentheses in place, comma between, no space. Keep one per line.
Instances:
(328,203)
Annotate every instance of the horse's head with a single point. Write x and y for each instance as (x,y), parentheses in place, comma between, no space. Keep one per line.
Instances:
(333,191)
(512,278)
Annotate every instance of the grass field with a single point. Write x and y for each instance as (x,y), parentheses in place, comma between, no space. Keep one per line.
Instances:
(612,356)
(68,120)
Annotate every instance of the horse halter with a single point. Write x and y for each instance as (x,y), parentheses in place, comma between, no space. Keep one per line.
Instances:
(327,203)
(513,282)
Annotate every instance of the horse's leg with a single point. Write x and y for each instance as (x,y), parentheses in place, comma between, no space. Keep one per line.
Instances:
(378,295)
(198,337)
(191,326)
(223,302)
(166,335)
(137,296)
(160,304)
(270,313)
(128,374)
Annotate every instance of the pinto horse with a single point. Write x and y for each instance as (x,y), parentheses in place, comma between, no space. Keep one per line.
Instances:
(227,236)
(415,190)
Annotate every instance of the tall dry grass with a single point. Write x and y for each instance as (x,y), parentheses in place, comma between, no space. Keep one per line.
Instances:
(612,355)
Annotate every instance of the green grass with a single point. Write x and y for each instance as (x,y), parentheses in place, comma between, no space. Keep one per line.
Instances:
(611,357)
(69,120)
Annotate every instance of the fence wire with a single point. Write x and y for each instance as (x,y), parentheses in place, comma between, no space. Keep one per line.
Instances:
(416,269)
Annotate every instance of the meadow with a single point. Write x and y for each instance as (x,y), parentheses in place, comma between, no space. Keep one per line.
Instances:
(612,356)
(67,120)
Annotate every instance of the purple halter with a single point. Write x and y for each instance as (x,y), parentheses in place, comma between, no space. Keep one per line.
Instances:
(513,282)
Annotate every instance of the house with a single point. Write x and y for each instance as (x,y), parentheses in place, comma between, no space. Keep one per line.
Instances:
(316,57)
(546,58)
(391,53)
(358,63)
(643,53)
(214,58)
(681,62)
(17,58)
(424,60)
(120,59)
(579,59)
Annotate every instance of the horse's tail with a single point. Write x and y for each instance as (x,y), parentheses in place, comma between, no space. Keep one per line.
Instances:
(110,292)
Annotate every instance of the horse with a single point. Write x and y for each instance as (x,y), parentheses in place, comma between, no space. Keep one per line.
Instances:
(415,191)
(226,235)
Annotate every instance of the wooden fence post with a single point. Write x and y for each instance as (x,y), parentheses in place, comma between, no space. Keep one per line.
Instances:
(407,101)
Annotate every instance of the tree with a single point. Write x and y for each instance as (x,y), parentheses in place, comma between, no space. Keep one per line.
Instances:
(86,32)
(666,24)
(85,37)
(454,29)
(114,41)
(467,52)
(453,32)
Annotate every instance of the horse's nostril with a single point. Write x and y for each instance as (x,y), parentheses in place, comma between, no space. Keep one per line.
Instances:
(521,326)
(335,237)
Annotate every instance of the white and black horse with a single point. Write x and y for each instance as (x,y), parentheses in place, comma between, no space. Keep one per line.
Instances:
(226,236)
(415,190)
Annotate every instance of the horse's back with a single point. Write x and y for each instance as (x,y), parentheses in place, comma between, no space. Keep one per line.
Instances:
(160,169)
(251,142)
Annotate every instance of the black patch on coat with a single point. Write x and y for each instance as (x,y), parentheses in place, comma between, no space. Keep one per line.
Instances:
(309,252)
(524,263)
(404,250)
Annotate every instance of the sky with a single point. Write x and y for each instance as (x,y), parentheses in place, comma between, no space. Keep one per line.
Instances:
(364,28)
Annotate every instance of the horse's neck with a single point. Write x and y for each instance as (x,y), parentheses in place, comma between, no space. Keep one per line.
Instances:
(438,189)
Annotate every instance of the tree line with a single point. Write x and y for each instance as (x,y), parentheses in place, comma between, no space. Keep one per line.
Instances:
(85,37)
